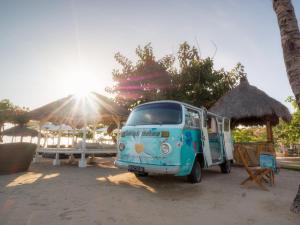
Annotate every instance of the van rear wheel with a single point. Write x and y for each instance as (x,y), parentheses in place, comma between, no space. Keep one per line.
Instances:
(226,166)
(196,174)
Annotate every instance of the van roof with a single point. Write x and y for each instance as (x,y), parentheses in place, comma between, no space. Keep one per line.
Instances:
(182,103)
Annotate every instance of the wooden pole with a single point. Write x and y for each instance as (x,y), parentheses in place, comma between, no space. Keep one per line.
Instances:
(46,141)
(38,146)
(269,131)
(94,132)
(82,161)
(117,120)
(59,137)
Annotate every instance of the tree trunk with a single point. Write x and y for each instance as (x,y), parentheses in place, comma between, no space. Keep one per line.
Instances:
(290,41)
(296,204)
(1,130)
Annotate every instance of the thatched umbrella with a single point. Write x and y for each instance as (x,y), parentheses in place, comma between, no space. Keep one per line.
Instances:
(248,105)
(20,131)
(78,111)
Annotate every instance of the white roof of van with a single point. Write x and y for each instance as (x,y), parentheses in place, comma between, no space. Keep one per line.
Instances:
(182,103)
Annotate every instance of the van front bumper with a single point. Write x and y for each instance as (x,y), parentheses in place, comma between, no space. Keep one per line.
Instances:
(150,168)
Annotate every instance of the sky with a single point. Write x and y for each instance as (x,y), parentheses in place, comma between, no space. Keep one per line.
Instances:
(50,49)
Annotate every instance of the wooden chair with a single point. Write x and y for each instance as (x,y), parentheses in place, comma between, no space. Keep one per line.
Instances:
(268,160)
(255,174)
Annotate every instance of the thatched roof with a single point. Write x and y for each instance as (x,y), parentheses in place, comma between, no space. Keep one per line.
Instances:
(73,111)
(248,105)
(20,131)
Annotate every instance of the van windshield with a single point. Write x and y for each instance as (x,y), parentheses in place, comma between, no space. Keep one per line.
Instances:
(156,114)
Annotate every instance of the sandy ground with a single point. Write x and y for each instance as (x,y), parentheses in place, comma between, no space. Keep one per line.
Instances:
(102,194)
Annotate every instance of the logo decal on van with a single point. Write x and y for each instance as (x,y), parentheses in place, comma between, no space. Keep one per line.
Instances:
(188,138)
(147,133)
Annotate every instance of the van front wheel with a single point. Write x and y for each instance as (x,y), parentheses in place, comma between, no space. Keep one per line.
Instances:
(226,166)
(141,174)
(196,173)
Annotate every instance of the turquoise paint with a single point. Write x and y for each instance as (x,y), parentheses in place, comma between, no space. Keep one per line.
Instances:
(151,139)
(185,143)
(192,145)
(183,150)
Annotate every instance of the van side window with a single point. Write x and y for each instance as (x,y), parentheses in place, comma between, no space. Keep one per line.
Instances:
(192,119)
(226,125)
(220,124)
(212,125)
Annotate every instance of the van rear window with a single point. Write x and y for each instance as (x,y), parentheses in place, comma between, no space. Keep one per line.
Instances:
(156,114)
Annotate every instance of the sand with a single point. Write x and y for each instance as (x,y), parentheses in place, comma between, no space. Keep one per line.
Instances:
(102,194)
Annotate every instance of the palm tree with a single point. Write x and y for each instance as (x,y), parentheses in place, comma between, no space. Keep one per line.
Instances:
(290,41)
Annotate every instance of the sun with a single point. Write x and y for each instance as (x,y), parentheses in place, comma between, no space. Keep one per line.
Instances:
(83,78)
(82,92)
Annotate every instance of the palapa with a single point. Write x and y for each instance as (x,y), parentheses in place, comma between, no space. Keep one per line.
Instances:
(77,111)
(21,131)
(248,105)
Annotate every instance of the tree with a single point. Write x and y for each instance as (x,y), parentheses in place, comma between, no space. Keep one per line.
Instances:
(290,41)
(19,116)
(10,113)
(197,82)
(149,79)
(250,134)
(6,107)
(289,133)
(194,81)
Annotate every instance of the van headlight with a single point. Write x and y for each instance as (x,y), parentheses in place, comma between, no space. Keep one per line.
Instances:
(165,148)
(121,146)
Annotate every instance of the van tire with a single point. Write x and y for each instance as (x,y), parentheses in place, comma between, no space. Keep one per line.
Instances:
(196,174)
(141,174)
(225,166)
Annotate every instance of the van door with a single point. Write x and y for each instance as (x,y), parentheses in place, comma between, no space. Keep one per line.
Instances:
(205,139)
(227,139)
(215,139)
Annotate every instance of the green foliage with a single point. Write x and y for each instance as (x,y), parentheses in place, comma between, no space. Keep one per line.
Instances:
(18,116)
(89,134)
(194,80)
(6,107)
(197,82)
(289,133)
(249,134)
(147,80)
(11,113)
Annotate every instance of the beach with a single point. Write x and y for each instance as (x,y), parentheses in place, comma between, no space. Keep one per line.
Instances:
(103,194)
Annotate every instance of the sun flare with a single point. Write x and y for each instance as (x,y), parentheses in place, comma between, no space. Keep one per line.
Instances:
(82,92)
(82,80)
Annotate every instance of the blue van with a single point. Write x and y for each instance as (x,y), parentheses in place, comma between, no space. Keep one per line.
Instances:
(170,137)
